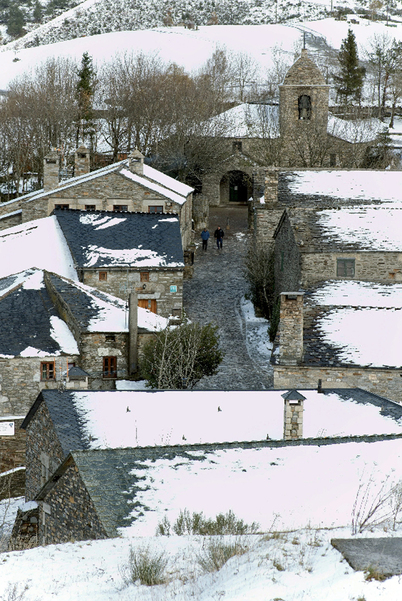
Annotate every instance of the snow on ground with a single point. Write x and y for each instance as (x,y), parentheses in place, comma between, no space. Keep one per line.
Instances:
(352,293)
(38,243)
(306,486)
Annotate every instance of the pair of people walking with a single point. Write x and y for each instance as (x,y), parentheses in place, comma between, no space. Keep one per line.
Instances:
(218,235)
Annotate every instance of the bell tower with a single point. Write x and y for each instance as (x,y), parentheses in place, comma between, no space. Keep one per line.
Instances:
(303,113)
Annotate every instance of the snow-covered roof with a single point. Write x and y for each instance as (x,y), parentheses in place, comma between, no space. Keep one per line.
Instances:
(374,228)
(354,323)
(167,181)
(152,185)
(39,243)
(355,131)
(100,239)
(118,419)
(246,121)
(355,186)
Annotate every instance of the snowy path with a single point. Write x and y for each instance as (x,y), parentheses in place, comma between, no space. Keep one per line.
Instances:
(216,294)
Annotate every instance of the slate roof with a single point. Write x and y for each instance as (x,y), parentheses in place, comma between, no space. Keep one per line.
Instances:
(114,419)
(364,228)
(27,328)
(325,188)
(99,239)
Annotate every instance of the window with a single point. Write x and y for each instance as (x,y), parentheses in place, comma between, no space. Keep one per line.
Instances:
(110,367)
(304,107)
(345,268)
(103,276)
(110,337)
(61,206)
(144,276)
(90,207)
(155,209)
(237,145)
(120,207)
(44,464)
(47,370)
(332,160)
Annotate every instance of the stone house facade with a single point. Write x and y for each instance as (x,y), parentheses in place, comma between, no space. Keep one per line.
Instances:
(313,246)
(129,185)
(309,351)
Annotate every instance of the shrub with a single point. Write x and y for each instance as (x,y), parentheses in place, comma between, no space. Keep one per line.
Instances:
(179,357)
(374,574)
(197,523)
(259,273)
(217,552)
(146,566)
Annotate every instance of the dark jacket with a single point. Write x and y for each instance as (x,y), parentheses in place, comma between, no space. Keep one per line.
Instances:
(219,233)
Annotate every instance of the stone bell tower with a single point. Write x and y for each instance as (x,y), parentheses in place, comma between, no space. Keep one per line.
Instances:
(303,113)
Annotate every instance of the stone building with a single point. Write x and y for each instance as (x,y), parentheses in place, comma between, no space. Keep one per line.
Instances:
(341,333)
(300,131)
(77,440)
(117,253)
(354,242)
(129,185)
(56,333)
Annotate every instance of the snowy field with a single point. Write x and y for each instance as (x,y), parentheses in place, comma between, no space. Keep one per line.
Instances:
(309,487)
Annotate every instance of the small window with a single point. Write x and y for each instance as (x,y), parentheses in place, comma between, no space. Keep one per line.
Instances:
(155,209)
(47,370)
(110,337)
(237,145)
(332,160)
(61,206)
(90,207)
(109,367)
(345,268)
(103,276)
(144,276)
(304,107)
(120,207)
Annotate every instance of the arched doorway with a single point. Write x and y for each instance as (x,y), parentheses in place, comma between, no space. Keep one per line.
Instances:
(236,186)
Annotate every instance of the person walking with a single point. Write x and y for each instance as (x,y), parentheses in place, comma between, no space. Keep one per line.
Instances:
(205,238)
(219,233)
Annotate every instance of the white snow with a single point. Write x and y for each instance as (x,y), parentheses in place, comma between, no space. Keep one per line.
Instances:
(63,336)
(355,293)
(34,281)
(38,243)
(177,198)
(166,181)
(384,187)
(138,418)
(366,336)
(371,228)
(141,257)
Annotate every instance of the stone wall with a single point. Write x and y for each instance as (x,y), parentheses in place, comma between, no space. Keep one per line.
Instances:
(384,382)
(20,381)
(106,191)
(380,266)
(121,282)
(291,328)
(12,446)
(41,442)
(25,534)
(67,511)
(287,259)
(95,346)
(10,221)
(266,220)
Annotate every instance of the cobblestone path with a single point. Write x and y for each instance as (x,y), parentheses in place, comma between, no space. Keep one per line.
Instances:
(214,294)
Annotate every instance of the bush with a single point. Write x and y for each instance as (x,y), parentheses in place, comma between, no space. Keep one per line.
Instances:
(179,357)
(197,523)
(146,566)
(216,553)
(259,273)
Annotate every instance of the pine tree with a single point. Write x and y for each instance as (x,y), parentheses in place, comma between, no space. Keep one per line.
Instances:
(37,13)
(15,21)
(84,94)
(349,82)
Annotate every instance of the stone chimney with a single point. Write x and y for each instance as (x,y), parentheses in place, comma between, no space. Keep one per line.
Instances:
(293,415)
(77,378)
(136,162)
(271,185)
(81,161)
(291,328)
(133,333)
(51,165)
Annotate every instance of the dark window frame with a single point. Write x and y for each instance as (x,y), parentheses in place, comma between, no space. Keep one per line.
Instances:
(345,268)
(119,208)
(62,207)
(90,207)
(103,276)
(144,276)
(109,367)
(155,209)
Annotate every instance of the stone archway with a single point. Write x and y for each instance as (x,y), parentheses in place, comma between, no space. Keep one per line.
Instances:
(235,187)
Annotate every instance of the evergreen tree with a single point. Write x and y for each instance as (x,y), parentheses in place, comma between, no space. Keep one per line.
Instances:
(15,21)
(349,82)
(37,13)
(84,94)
